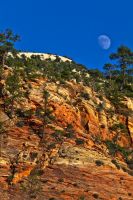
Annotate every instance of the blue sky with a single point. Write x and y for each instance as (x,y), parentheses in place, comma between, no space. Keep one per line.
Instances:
(70,27)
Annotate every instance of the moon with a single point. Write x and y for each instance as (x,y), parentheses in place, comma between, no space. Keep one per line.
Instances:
(104,42)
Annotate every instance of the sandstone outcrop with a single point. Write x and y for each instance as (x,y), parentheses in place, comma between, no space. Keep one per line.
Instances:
(72,160)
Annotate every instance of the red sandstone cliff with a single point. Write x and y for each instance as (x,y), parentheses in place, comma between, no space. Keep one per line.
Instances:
(71,160)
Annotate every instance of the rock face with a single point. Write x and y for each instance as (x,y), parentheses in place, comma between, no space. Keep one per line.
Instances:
(3,117)
(44,56)
(74,159)
(130,126)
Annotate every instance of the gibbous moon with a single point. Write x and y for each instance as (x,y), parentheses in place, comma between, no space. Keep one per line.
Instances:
(104,42)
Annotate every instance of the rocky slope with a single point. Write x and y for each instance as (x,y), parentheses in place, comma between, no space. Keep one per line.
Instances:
(84,153)
(44,56)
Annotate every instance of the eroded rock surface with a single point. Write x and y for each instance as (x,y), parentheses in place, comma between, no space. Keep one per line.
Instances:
(73,159)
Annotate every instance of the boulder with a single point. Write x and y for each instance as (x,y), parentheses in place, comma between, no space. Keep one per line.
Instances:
(3,117)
